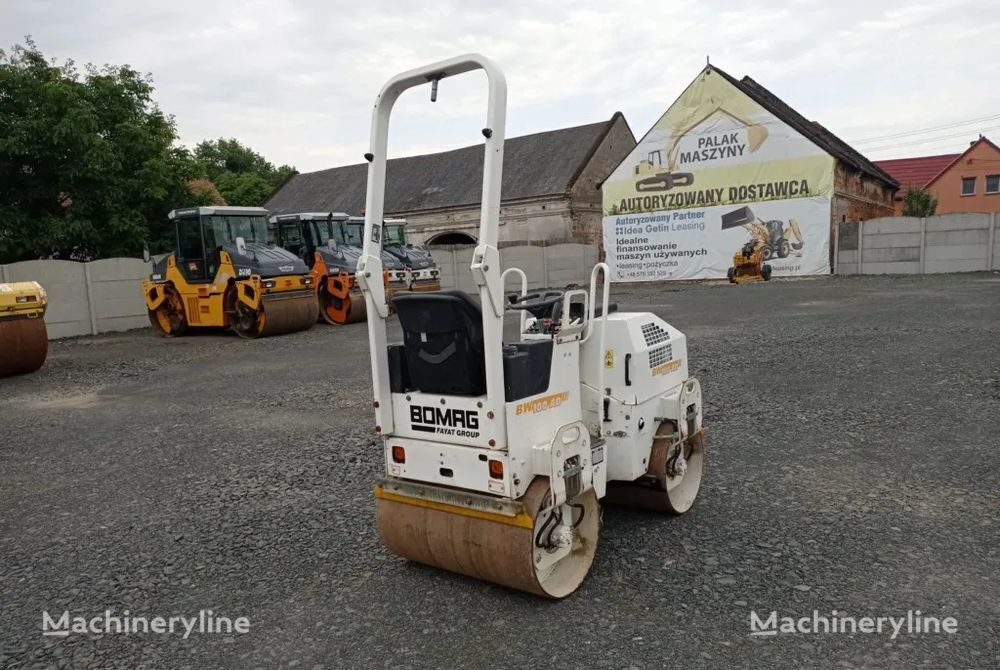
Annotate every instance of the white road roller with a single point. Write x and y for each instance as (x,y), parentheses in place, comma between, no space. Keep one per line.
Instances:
(497,454)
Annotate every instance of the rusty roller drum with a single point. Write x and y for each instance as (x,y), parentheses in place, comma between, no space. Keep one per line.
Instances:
(24,340)
(279,314)
(664,488)
(340,302)
(24,344)
(492,547)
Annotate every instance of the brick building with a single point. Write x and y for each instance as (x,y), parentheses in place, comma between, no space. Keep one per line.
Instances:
(550,192)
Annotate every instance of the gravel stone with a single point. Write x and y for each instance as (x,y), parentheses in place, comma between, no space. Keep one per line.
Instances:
(852,433)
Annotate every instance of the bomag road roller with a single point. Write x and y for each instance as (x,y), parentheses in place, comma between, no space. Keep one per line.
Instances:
(24,341)
(497,454)
(420,272)
(318,239)
(224,274)
(394,270)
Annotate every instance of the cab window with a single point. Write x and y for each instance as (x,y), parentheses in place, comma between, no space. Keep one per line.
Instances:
(291,237)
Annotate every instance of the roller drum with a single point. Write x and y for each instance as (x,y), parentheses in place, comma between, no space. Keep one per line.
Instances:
(24,344)
(658,490)
(490,547)
(287,315)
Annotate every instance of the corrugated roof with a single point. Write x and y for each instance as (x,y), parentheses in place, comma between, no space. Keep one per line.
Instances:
(812,130)
(534,165)
(918,171)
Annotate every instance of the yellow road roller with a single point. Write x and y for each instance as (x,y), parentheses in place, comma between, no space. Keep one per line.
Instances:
(498,453)
(224,274)
(24,341)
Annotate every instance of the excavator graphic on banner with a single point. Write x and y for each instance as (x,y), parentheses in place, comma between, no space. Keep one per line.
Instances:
(650,170)
(767,239)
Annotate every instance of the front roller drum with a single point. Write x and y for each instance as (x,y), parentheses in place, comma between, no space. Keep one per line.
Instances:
(169,318)
(277,315)
(340,302)
(24,344)
(514,551)
(673,477)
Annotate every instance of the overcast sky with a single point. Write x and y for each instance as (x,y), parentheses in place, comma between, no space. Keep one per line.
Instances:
(296,80)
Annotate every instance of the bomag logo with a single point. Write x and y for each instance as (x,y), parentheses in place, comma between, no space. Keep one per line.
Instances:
(542,404)
(668,367)
(459,422)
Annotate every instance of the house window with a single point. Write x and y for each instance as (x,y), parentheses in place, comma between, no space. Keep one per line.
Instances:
(968,185)
(993,183)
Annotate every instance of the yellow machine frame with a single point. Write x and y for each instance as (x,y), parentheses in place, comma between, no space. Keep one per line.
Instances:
(204,304)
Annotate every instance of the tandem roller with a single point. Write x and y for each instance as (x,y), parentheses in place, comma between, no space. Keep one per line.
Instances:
(497,454)
(224,274)
(24,340)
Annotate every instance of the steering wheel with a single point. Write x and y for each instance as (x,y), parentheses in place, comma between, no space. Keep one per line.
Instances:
(539,305)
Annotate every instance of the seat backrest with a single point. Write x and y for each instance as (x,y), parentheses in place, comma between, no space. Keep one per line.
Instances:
(443,342)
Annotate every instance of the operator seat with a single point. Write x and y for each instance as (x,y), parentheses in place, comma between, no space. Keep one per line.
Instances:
(442,342)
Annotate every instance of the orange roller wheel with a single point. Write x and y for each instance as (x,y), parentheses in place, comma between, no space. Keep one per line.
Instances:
(340,300)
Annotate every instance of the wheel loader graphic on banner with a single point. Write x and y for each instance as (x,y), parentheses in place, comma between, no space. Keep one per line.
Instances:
(768,239)
(652,175)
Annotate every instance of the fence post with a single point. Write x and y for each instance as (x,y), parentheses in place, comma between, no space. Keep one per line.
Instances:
(923,243)
(993,240)
(90,299)
(861,244)
(545,266)
(3,274)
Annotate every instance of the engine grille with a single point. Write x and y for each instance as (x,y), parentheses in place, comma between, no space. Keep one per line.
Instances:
(660,355)
(654,334)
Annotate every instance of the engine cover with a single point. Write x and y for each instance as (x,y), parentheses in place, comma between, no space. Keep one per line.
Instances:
(644,356)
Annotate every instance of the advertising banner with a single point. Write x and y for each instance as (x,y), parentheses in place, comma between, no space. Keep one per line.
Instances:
(715,172)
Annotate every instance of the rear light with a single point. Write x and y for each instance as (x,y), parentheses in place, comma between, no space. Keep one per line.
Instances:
(398,455)
(496,469)
(307,281)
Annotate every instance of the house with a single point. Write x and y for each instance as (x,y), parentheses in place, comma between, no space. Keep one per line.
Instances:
(550,190)
(965,182)
(726,163)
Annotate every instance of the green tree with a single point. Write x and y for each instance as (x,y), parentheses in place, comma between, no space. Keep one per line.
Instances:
(919,202)
(243,176)
(88,167)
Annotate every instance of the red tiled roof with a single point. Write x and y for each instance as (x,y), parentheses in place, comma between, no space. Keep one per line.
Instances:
(916,171)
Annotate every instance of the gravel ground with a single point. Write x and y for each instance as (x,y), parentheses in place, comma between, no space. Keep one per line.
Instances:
(853,466)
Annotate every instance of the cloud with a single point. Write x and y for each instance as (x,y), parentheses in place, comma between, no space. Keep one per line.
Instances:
(296,80)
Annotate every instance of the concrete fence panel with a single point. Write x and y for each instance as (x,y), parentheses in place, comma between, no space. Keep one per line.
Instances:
(68,313)
(552,266)
(529,259)
(909,245)
(115,290)
(87,298)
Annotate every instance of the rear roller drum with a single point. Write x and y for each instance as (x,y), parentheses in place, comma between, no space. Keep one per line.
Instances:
(24,343)
(544,550)
(673,477)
